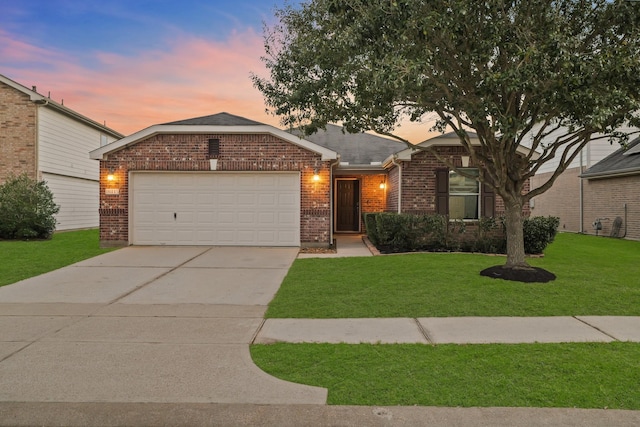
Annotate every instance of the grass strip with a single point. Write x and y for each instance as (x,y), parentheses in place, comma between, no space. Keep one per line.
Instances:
(23,259)
(581,375)
(596,276)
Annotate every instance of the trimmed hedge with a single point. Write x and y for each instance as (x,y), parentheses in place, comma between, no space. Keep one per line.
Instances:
(392,232)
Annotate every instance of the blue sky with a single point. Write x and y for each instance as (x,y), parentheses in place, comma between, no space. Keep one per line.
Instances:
(136,63)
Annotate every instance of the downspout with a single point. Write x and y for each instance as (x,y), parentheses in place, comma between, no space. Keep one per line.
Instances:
(331,213)
(39,103)
(581,194)
(399,165)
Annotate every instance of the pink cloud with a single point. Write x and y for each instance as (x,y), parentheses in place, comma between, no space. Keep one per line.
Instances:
(191,77)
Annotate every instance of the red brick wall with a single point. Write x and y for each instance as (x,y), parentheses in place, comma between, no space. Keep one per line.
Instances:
(419,181)
(561,200)
(606,198)
(18,151)
(254,152)
(393,186)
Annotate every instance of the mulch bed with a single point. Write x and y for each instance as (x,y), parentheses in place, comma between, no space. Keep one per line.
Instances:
(526,275)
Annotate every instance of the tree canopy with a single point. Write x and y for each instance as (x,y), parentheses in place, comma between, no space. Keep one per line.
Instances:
(550,74)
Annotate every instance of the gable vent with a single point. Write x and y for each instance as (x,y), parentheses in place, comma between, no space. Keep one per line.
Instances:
(214,148)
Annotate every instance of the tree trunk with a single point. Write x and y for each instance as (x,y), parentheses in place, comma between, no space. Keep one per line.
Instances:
(515,235)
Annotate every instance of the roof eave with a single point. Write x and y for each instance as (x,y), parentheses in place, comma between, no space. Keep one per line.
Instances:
(612,173)
(43,101)
(102,152)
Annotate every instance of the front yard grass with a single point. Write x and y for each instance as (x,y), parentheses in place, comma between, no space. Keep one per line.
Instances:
(595,276)
(582,375)
(23,259)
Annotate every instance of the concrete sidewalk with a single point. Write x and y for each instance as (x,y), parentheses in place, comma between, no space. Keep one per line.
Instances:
(452,330)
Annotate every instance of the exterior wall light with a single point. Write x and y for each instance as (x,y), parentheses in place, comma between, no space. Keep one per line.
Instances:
(110,175)
(383,185)
(316,175)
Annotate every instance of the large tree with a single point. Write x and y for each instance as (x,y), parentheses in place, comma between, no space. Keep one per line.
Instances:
(550,74)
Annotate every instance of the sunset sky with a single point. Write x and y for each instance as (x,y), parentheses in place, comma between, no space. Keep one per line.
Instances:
(135,63)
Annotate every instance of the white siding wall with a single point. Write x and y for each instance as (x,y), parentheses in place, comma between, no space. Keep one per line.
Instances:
(64,146)
(78,199)
(592,153)
(63,161)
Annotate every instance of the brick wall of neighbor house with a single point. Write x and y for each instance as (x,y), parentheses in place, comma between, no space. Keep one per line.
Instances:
(254,152)
(606,198)
(561,200)
(17,134)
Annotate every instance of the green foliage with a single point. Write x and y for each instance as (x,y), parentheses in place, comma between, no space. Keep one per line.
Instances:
(27,210)
(539,231)
(549,74)
(392,232)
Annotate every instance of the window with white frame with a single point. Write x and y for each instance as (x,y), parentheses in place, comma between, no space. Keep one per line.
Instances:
(464,194)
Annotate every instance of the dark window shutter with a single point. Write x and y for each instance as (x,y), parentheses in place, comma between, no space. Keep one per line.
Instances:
(214,148)
(488,201)
(442,191)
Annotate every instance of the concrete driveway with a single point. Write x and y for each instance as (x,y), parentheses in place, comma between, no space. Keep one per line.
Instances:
(145,324)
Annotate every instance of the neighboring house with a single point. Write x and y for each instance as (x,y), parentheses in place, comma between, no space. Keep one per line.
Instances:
(612,190)
(565,199)
(50,142)
(227,180)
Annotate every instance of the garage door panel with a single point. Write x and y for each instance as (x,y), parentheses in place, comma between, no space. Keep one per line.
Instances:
(216,208)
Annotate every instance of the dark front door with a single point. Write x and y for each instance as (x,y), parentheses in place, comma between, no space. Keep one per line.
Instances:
(348,205)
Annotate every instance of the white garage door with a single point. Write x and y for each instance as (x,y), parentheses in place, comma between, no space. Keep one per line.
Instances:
(215,208)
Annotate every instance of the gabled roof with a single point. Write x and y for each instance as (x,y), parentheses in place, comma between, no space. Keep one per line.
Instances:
(220,119)
(222,123)
(49,103)
(356,149)
(447,139)
(624,161)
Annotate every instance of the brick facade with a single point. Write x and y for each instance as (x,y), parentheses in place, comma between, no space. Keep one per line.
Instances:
(18,151)
(561,200)
(606,198)
(238,152)
(419,182)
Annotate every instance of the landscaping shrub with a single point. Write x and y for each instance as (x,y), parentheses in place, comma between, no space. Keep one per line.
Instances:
(539,231)
(392,232)
(26,209)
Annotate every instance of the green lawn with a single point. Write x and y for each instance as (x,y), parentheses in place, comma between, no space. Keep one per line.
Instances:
(23,259)
(583,375)
(596,276)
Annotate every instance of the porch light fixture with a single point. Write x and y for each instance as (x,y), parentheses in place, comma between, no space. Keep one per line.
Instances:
(383,185)
(316,175)
(465,161)
(110,176)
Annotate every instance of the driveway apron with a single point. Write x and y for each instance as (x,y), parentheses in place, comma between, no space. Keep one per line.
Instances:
(145,324)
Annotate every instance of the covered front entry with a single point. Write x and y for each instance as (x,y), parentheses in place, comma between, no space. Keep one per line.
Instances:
(347,205)
(215,208)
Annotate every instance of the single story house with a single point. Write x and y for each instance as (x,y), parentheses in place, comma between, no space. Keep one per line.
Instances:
(227,180)
(49,142)
(611,190)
